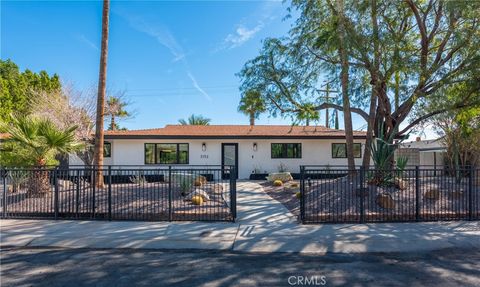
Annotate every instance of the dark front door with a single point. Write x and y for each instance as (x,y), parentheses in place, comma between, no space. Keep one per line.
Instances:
(229,158)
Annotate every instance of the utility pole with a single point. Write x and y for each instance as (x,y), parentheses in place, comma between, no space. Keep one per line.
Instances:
(327,98)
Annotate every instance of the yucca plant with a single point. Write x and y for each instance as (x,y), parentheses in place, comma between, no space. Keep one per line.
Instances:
(42,141)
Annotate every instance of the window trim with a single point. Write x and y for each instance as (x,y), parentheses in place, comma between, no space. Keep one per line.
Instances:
(110,144)
(156,157)
(284,151)
(345,144)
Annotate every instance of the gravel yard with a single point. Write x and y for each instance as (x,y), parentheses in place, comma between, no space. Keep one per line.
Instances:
(329,200)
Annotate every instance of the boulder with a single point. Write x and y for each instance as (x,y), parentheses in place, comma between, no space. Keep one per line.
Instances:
(277,183)
(361,192)
(201,180)
(198,192)
(456,194)
(385,200)
(283,176)
(432,194)
(401,184)
(65,184)
(197,200)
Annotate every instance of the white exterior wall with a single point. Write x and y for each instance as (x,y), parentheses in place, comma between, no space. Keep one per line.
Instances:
(314,152)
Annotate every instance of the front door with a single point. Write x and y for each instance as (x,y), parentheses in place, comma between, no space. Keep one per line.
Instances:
(229,158)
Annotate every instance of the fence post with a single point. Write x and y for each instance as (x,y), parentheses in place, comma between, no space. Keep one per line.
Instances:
(170,193)
(77,197)
(93,179)
(4,176)
(417,193)
(470,192)
(233,193)
(109,192)
(302,194)
(55,197)
(362,195)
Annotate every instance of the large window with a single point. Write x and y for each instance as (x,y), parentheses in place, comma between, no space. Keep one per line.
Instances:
(286,150)
(166,153)
(107,149)
(339,150)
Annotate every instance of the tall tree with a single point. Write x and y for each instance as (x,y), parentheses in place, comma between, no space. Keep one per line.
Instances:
(423,46)
(343,55)
(17,88)
(195,120)
(102,80)
(252,104)
(115,109)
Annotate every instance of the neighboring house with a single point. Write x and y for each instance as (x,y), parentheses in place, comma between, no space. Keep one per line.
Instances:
(423,153)
(252,149)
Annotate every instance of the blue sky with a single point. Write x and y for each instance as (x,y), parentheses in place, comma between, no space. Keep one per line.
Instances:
(172,58)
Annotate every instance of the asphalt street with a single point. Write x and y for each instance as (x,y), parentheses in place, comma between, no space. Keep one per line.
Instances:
(115,267)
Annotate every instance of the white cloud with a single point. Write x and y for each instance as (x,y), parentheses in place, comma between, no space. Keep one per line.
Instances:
(88,42)
(242,34)
(161,34)
(195,84)
(165,38)
(262,16)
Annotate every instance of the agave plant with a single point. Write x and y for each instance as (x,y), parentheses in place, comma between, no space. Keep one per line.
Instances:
(383,152)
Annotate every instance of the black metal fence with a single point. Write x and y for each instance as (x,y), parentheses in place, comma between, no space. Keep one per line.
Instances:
(169,193)
(340,195)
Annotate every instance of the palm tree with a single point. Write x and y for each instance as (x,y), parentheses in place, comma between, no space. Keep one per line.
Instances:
(40,141)
(102,80)
(252,104)
(195,121)
(115,108)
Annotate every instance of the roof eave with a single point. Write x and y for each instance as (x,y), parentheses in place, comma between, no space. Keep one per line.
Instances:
(229,137)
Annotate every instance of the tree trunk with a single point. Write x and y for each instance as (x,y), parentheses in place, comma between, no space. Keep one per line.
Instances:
(112,123)
(252,118)
(370,128)
(102,79)
(347,115)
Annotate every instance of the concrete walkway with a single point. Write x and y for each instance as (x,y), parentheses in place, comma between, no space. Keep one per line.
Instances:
(264,225)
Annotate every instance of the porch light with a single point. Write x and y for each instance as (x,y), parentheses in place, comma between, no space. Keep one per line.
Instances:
(204,146)
(255,146)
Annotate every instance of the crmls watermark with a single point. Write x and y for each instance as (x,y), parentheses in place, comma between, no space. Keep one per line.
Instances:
(314,280)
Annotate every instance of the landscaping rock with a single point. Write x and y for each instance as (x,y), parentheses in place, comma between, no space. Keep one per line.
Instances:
(401,184)
(456,194)
(65,184)
(198,192)
(385,200)
(200,180)
(283,176)
(277,183)
(432,194)
(361,192)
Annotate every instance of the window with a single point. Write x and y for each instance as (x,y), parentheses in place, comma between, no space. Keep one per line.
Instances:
(166,153)
(339,150)
(286,150)
(107,149)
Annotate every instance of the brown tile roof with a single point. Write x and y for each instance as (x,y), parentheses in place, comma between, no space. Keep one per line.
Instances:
(4,135)
(233,131)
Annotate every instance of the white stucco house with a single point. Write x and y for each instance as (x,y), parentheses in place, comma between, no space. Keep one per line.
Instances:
(252,149)
(425,153)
